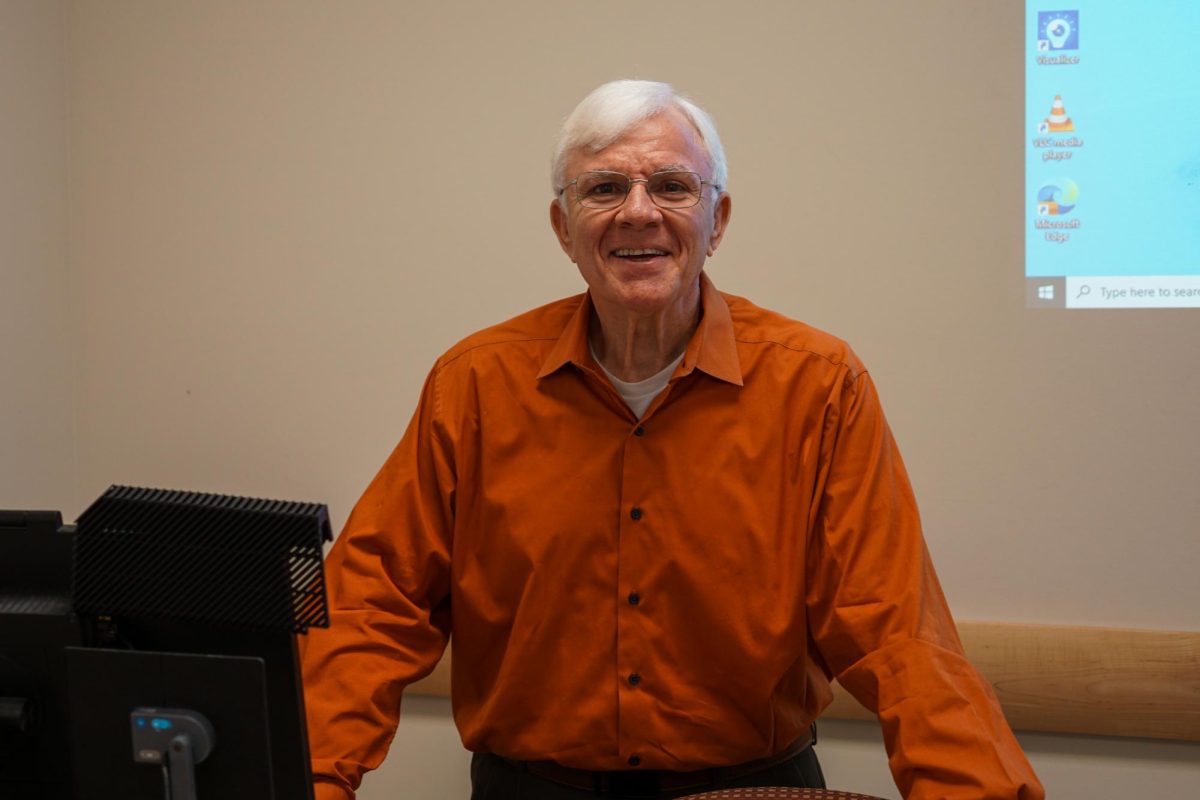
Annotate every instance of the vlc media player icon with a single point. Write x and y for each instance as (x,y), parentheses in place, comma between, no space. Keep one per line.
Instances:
(1057,121)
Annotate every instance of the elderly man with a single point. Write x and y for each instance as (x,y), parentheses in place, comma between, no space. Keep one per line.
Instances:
(655,519)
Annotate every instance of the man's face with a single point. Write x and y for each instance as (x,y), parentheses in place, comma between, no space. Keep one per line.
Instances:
(609,245)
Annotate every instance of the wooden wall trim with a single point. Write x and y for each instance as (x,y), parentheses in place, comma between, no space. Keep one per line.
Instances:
(1059,679)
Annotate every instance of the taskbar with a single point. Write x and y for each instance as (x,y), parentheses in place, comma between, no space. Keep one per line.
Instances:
(1113,291)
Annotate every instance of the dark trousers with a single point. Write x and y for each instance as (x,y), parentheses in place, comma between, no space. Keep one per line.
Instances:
(495,778)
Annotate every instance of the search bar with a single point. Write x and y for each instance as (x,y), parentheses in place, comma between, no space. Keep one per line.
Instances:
(1138,291)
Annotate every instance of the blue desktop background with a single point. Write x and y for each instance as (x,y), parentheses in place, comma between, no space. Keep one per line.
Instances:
(1134,99)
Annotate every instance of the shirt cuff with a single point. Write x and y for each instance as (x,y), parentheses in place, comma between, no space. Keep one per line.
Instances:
(323,790)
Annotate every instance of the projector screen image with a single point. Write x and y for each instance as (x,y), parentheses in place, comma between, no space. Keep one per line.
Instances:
(1112,158)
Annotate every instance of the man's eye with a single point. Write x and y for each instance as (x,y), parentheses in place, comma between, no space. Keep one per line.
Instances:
(674,186)
(604,188)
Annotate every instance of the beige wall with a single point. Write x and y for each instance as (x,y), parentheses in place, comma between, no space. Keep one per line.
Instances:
(36,422)
(281,212)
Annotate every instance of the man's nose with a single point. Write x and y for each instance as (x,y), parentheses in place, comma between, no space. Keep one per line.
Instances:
(638,208)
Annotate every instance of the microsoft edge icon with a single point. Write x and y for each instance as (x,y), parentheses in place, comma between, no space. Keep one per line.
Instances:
(1054,200)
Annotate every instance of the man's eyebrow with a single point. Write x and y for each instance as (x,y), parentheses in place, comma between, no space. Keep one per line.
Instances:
(663,168)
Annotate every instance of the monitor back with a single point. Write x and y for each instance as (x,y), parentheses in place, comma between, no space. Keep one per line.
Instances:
(230,691)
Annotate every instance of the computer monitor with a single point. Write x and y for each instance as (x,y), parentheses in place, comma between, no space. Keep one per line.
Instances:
(246,683)
(228,692)
(162,606)
(36,626)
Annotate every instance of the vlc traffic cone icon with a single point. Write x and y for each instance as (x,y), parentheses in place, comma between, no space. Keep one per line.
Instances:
(1058,121)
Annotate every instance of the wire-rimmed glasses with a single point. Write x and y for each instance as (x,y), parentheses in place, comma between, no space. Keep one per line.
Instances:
(667,189)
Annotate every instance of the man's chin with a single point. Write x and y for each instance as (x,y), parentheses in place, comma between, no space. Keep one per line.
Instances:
(650,297)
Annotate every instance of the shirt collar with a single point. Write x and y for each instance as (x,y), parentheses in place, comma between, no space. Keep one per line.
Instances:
(712,348)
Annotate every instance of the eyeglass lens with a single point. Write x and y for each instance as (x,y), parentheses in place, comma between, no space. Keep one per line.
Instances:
(666,189)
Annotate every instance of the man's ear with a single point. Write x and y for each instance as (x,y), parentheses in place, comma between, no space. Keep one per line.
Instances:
(561,226)
(721,212)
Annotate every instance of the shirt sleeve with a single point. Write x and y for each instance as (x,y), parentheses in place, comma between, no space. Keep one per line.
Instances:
(881,624)
(388,582)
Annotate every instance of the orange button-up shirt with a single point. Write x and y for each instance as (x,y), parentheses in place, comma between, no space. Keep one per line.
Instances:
(677,588)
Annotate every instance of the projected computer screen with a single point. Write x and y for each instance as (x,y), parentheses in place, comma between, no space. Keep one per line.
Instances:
(1112,156)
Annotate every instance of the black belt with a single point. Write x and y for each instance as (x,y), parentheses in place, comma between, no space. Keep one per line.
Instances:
(651,782)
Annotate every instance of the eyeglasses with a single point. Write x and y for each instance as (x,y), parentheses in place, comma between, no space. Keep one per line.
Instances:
(668,189)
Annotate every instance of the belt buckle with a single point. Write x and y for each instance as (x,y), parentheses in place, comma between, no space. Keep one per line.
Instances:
(631,783)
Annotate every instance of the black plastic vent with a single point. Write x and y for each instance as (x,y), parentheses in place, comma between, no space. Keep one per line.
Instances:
(157,553)
(34,604)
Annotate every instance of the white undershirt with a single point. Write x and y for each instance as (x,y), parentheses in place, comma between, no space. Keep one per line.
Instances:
(640,394)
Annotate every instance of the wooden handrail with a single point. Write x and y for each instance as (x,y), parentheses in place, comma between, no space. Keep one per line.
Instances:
(1059,679)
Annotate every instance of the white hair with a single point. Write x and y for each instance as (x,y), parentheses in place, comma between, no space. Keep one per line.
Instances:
(609,111)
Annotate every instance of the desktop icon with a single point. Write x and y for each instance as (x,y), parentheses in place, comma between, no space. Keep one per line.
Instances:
(1057,121)
(1058,30)
(1054,200)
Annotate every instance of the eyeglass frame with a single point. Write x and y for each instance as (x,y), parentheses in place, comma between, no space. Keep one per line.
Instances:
(632,181)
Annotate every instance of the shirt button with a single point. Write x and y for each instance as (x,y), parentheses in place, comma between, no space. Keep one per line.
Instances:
(635,513)
(639,431)
(634,598)
(634,679)
(634,761)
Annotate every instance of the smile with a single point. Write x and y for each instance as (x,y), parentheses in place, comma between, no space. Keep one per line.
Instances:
(644,252)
